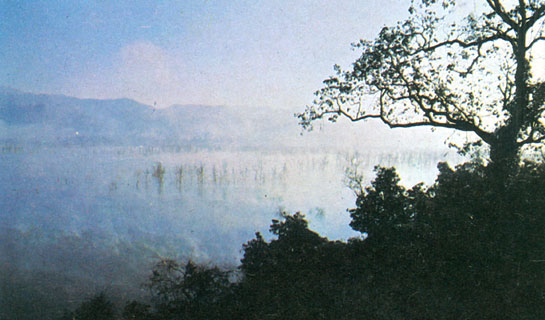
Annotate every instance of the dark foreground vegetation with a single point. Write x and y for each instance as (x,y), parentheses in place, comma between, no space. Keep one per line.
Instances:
(468,247)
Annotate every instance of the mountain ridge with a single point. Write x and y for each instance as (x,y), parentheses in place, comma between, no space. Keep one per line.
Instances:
(60,119)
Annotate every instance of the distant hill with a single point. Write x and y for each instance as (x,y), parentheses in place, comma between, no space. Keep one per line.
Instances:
(57,120)
(61,120)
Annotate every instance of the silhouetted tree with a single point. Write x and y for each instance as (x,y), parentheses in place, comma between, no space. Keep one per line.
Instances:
(98,307)
(189,291)
(298,275)
(458,250)
(487,243)
(384,206)
(471,75)
(135,310)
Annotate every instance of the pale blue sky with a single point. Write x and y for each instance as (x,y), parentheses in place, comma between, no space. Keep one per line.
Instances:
(244,53)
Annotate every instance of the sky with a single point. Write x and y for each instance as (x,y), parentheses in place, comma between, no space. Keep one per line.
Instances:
(272,53)
(238,52)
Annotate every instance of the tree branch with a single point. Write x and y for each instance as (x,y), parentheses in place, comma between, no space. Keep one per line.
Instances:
(468,70)
(463,44)
(531,140)
(539,13)
(536,40)
(500,11)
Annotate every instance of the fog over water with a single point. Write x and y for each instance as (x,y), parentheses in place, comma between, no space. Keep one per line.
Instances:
(93,192)
(206,203)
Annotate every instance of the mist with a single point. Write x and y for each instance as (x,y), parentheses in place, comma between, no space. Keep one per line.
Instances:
(95,191)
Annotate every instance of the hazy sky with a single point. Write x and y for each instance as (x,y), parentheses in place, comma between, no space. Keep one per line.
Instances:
(236,52)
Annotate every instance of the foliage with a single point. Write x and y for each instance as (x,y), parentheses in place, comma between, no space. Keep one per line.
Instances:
(135,310)
(461,248)
(471,75)
(296,276)
(98,307)
(384,205)
(189,291)
(472,249)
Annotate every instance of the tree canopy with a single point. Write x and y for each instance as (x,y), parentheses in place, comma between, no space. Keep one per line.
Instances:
(432,69)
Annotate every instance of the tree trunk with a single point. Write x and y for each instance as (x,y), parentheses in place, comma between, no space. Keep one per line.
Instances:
(504,153)
(504,149)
